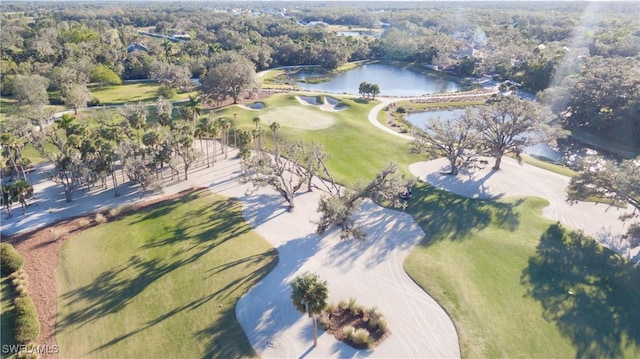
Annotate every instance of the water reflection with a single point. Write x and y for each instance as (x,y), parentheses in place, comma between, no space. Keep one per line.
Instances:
(393,81)
(567,151)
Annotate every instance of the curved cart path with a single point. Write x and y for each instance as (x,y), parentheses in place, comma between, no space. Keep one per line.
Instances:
(514,179)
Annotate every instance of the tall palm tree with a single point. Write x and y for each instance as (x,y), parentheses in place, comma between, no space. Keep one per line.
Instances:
(257,133)
(309,295)
(224,125)
(275,126)
(193,109)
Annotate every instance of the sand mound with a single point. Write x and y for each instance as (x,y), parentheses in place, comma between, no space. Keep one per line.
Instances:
(330,103)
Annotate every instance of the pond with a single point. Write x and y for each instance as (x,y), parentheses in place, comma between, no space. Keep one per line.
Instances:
(567,151)
(393,81)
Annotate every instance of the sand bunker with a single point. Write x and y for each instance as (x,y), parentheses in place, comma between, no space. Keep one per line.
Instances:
(329,104)
(259,105)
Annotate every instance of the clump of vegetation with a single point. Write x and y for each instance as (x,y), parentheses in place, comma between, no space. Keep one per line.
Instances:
(27,326)
(354,324)
(100,218)
(11,260)
(116,211)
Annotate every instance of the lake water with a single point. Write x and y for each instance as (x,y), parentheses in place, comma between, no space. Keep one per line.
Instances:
(566,152)
(393,81)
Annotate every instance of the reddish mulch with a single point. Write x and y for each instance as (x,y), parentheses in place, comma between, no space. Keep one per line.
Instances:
(342,317)
(41,250)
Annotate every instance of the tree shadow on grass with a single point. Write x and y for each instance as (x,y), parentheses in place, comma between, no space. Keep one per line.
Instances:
(233,342)
(588,291)
(115,288)
(444,215)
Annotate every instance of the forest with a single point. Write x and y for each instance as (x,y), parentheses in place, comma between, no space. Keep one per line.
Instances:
(582,61)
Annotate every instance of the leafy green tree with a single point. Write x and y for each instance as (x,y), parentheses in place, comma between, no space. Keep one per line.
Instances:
(76,96)
(513,124)
(104,76)
(309,295)
(229,76)
(456,139)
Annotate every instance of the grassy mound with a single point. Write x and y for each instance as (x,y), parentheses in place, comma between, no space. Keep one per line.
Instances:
(517,285)
(162,282)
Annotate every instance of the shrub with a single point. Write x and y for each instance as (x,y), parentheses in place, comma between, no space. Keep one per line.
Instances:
(83,222)
(100,218)
(324,322)
(374,318)
(330,308)
(166,91)
(27,326)
(361,336)
(354,308)
(383,326)
(57,233)
(94,101)
(118,210)
(342,304)
(11,260)
(348,331)
(401,110)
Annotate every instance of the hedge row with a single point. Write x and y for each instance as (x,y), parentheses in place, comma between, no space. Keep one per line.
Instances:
(11,260)
(27,324)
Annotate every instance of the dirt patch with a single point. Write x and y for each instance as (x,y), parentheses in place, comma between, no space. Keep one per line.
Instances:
(41,250)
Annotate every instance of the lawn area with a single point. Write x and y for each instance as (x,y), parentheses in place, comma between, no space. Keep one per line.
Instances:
(358,150)
(131,93)
(161,283)
(6,316)
(517,285)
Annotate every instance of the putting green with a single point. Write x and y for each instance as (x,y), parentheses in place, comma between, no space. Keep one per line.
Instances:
(298,117)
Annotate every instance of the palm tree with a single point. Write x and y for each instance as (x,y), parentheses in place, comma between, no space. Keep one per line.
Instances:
(275,126)
(166,46)
(309,295)
(224,125)
(257,133)
(193,109)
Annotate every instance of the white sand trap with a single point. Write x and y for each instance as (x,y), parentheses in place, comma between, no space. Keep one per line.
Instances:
(259,105)
(330,103)
(526,180)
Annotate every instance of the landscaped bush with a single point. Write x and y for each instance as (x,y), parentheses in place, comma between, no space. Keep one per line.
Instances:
(27,326)
(11,260)
(93,102)
(100,218)
(383,326)
(354,307)
(361,336)
(348,331)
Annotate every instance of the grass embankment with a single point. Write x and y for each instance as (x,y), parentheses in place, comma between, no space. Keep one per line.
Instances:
(162,282)
(7,317)
(517,285)
(358,150)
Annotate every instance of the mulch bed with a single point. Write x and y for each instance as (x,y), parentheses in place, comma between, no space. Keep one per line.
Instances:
(342,317)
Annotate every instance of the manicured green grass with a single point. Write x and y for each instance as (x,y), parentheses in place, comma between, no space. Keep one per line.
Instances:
(559,169)
(358,149)
(131,93)
(505,275)
(161,283)
(6,316)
